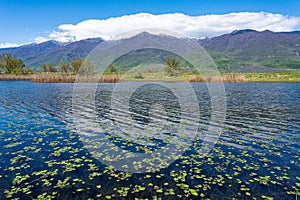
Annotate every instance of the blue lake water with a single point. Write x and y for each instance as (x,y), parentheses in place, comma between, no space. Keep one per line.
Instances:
(256,157)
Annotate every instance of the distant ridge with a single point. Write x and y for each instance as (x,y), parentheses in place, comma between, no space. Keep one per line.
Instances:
(240,48)
(254,48)
(52,52)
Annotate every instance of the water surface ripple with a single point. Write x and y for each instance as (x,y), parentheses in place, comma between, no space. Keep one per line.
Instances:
(257,155)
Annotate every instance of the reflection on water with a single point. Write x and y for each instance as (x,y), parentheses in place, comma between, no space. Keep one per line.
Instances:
(256,156)
(151,108)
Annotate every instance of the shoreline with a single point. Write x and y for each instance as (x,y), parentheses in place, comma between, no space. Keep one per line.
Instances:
(155,77)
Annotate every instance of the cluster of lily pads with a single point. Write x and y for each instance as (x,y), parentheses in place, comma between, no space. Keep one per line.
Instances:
(53,164)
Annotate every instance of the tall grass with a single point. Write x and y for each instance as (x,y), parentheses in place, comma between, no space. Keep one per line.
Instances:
(113,78)
(13,77)
(218,78)
(61,78)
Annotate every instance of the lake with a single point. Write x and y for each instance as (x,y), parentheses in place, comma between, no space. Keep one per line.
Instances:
(44,156)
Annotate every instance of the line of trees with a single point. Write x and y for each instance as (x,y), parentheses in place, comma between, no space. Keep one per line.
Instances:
(48,68)
(75,66)
(12,65)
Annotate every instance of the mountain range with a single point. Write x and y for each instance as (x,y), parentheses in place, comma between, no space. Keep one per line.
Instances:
(242,49)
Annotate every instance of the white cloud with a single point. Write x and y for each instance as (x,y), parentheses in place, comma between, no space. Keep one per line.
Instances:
(7,45)
(40,39)
(191,26)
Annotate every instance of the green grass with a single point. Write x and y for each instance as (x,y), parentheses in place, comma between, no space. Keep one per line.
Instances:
(153,76)
(273,77)
(227,77)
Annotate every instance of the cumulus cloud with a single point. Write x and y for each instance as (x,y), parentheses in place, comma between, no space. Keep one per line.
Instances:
(8,45)
(190,26)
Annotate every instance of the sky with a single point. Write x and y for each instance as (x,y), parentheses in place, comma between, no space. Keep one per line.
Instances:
(27,21)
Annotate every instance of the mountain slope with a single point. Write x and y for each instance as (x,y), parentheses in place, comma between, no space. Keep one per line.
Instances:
(249,47)
(34,55)
(33,49)
(66,53)
(242,48)
(150,59)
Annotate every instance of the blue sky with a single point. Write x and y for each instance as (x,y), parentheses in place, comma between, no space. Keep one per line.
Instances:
(23,21)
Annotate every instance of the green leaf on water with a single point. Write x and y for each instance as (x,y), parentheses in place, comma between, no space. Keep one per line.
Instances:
(193,192)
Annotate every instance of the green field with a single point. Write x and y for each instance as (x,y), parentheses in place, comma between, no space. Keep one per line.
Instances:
(227,77)
(273,77)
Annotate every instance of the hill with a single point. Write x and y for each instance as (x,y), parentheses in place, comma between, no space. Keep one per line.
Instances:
(253,48)
(240,50)
(34,55)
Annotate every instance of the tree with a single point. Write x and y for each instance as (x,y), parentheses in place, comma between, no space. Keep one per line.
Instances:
(83,67)
(172,65)
(112,68)
(12,64)
(51,68)
(2,63)
(44,68)
(64,66)
(8,62)
(76,64)
(18,66)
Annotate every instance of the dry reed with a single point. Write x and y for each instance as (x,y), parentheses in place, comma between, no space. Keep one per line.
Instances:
(109,78)
(61,78)
(218,78)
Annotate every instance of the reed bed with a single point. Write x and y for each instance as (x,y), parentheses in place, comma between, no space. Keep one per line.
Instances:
(14,77)
(113,78)
(61,78)
(234,78)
